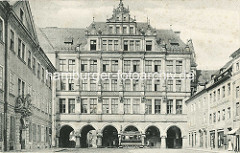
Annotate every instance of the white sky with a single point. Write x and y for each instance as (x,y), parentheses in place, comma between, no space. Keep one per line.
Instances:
(214,26)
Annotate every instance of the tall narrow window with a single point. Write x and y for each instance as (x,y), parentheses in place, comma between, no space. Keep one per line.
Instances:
(12,128)
(93,85)
(136,106)
(148,45)
(157,66)
(127,65)
(62,64)
(229,112)
(117,30)
(63,84)
(19,47)
(93,45)
(105,84)
(105,106)
(110,45)
(127,106)
(131,45)
(71,85)
(136,65)
(34,65)
(93,105)
(214,117)
(84,105)
(84,84)
(114,65)
(179,85)
(148,66)
(71,65)
(71,105)
(138,48)
(29,59)
(125,45)
(84,66)
(170,106)
(93,66)
(127,85)
(21,15)
(62,106)
(179,66)
(124,30)
(149,85)
(19,87)
(237,91)
(157,106)
(156,85)
(114,106)
(178,106)
(218,94)
(1,29)
(106,66)
(131,30)
(104,45)
(223,91)
(114,85)
(135,85)
(148,105)
(23,51)
(169,67)
(43,75)
(237,109)
(223,114)
(116,45)
(170,85)
(11,39)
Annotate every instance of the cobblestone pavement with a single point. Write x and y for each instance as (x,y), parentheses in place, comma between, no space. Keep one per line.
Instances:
(124,150)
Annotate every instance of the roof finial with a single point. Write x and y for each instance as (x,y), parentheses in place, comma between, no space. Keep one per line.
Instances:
(147,20)
(121,3)
(93,19)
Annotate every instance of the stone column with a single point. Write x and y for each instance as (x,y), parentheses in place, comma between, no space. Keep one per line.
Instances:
(184,142)
(78,137)
(99,140)
(142,138)
(119,140)
(163,142)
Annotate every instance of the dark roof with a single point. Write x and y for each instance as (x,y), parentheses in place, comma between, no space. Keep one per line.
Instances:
(57,36)
(234,54)
(204,76)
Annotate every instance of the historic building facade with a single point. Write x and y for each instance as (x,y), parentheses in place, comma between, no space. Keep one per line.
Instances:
(117,112)
(26,107)
(214,110)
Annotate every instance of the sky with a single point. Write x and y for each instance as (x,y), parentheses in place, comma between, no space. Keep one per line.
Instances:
(213,25)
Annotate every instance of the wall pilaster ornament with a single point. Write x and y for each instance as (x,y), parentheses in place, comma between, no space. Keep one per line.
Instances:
(100,99)
(121,99)
(143,99)
(24,107)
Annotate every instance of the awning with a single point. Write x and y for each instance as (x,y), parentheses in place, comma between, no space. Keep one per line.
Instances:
(233,131)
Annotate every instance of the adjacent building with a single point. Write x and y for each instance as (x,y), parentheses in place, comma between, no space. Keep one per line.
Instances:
(25,91)
(117,112)
(213,111)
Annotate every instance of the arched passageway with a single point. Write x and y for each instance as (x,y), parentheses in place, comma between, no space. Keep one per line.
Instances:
(174,137)
(153,137)
(84,141)
(131,128)
(110,137)
(64,141)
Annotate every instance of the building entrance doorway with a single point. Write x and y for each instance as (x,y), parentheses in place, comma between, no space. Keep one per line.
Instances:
(174,137)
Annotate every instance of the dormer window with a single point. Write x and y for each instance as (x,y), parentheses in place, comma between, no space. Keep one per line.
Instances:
(21,15)
(93,45)
(148,45)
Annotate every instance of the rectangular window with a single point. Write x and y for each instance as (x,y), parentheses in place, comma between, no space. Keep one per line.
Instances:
(34,65)
(229,88)
(105,85)
(148,66)
(124,30)
(84,105)
(237,66)
(179,85)
(104,45)
(138,45)
(237,109)
(1,77)
(29,59)
(127,106)
(169,67)
(179,66)
(21,15)
(63,84)
(11,39)
(62,65)
(210,118)
(93,85)
(19,47)
(219,116)
(223,91)
(93,106)
(93,45)
(114,65)
(127,65)
(93,66)
(136,85)
(148,105)
(114,85)
(229,112)
(71,85)
(148,45)
(19,87)
(43,75)
(127,85)
(218,94)
(223,114)
(237,91)
(157,85)
(157,66)
(110,45)
(125,45)
(84,66)
(178,106)
(170,85)
(149,85)
(136,65)
(38,70)
(214,96)
(117,30)
(214,117)
(23,88)
(71,105)
(23,51)
(170,106)
(157,106)
(131,30)
(106,66)
(136,106)
(116,45)
(105,106)
(114,106)
(62,106)
(132,45)
(71,65)
(84,84)
(110,30)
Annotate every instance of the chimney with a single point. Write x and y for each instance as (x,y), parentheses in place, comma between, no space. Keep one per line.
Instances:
(177,33)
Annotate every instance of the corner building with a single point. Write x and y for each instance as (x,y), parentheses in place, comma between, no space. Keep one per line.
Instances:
(115,112)
(26,93)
